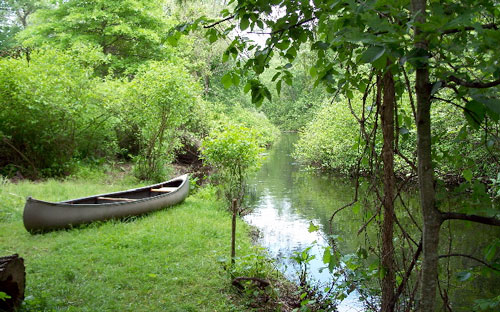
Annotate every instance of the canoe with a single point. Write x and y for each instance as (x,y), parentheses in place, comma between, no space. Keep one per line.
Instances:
(41,216)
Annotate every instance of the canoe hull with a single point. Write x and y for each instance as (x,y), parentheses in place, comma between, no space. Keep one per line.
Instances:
(40,216)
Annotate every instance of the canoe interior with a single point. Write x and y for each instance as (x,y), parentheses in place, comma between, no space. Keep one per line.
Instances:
(140,193)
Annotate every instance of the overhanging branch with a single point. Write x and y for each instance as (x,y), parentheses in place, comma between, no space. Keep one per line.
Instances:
(473,84)
(456,30)
(220,21)
(470,257)
(467,217)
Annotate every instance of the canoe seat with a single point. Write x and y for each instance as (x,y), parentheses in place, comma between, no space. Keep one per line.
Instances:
(116,199)
(164,189)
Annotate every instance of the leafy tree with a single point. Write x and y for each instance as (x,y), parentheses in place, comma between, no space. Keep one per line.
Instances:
(126,33)
(329,140)
(160,101)
(235,152)
(14,18)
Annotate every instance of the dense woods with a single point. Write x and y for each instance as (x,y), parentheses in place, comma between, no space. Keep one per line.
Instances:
(396,95)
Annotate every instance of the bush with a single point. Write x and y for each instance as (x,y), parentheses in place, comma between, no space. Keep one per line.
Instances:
(329,140)
(161,102)
(234,151)
(219,116)
(50,114)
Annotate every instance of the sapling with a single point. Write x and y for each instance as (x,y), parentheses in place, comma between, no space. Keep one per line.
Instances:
(234,151)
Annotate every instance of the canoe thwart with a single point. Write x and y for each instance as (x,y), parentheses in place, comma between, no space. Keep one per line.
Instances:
(164,189)
(115,198)
(41,216)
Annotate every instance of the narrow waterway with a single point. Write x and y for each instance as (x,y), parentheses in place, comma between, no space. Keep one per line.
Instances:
(286,198)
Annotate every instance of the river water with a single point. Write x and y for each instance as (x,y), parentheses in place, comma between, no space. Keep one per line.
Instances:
(286,198)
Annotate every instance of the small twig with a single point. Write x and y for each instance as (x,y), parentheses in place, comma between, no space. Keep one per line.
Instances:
(467,28)
(409,89)
(220,21)
(408,272)
(293,26)
(474,218)
(470,257)
(473,84)
(371,219)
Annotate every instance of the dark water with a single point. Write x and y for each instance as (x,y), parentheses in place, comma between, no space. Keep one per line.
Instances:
(286,198)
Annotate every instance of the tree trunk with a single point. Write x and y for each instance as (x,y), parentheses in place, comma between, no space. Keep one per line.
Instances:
(387,120)
(12,281)
(234,210)
(431,216)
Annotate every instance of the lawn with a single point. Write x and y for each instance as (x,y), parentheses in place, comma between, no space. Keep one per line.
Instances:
(167,260)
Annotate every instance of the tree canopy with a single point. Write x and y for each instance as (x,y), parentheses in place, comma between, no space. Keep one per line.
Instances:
(125,34)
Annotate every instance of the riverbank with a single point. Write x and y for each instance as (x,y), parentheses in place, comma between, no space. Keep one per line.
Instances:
(170,260)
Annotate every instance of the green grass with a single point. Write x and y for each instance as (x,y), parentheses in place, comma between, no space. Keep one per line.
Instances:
(164,261)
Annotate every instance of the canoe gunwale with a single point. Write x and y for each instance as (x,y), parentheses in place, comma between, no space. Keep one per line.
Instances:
(184,179)
(41,216)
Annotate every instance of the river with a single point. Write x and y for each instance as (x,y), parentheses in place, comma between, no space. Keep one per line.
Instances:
(286,198)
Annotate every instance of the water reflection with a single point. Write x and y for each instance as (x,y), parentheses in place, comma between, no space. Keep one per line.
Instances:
(286,198)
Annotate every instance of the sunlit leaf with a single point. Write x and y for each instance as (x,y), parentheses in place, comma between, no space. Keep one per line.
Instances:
(227,80)
(312,227)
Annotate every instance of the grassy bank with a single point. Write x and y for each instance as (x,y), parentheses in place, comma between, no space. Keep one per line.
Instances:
(167,260)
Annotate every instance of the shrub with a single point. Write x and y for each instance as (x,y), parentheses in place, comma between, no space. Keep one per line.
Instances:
(328,141)
(234,151)
(49,114)
(161,102)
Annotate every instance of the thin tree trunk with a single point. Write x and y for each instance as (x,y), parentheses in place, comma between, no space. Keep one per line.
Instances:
(387,119)
(234,209)
(431,216)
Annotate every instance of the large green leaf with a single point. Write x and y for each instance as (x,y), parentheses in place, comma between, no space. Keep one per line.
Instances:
(490,102)
(372,54)
(227,80)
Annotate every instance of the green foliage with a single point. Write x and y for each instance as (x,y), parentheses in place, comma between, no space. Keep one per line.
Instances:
(4,296)
(49,114)
(296,99)
(14,16)
(160,101)
(487,304)
(127,33)
(217,115)
(235,152)
(332,141)
(329,140)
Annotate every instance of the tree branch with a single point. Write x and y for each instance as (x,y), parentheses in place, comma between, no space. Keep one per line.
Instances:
(456,30)
(293,26)
(407,275)
(220,21)
(473,218)
(470,257)
(473,84)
